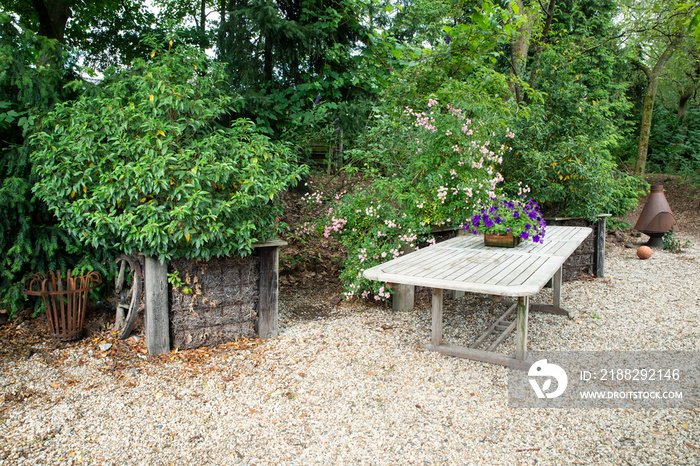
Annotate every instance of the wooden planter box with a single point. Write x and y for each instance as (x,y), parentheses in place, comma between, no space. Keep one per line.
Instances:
(589,257)
(225,298)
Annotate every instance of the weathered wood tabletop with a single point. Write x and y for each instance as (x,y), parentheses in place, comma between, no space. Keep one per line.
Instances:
(465,264)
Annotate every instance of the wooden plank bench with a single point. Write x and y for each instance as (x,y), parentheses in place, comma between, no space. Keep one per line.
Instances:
(465,264)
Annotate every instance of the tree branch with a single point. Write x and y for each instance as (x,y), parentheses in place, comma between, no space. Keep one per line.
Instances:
(638,63)
(601,43)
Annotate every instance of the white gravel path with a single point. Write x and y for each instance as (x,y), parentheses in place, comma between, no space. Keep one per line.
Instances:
(352,386)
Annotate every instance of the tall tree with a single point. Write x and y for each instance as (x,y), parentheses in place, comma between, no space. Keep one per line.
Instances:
(196,20)
(656,29)
(102,32)
(298,63)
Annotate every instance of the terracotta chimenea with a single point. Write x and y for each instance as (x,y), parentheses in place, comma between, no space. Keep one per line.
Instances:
(656,218)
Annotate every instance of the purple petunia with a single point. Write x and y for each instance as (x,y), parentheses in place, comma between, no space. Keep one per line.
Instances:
(523,219)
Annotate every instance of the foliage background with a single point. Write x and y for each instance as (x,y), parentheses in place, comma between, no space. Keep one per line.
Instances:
(571,79)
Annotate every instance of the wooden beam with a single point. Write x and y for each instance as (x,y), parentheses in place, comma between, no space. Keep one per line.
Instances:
(599,258)
(436,338)
(521,326)
(480,355)
(157,320)
(454,294)
(549,309)
(268,320)
(493,326)
(556,287)
(502,336)
(402,298)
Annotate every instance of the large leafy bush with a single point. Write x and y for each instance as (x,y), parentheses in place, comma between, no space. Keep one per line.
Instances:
(145,162)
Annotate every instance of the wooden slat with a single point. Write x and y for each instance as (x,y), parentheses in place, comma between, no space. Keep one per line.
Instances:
(464,263)
(420,261)
(469,275)
(507,268)
(512,275)
(490,330)
(526,272)
(504,334)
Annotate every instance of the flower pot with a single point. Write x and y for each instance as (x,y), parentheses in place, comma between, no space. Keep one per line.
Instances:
(501,241)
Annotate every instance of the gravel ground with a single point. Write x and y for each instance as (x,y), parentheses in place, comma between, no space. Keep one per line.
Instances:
(351,385)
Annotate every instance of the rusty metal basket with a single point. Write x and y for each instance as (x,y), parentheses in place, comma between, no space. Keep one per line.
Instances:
(64,301)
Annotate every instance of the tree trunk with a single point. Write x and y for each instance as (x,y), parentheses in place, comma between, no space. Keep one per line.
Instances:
(203,25)
(520,45)
(649,98)
(53,16)
(543,40)
(645,130)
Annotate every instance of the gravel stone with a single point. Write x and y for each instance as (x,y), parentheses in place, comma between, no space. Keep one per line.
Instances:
(350,384)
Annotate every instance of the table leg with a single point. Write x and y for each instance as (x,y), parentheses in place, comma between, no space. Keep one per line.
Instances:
(556,288)
(436,338)
(555,307)
(521,328)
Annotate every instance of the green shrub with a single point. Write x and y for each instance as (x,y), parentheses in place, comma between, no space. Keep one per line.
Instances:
(144,163)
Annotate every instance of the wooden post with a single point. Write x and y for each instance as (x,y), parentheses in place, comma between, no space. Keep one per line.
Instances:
(556,288)
(436,338)
(157,306)
(268,321)
(402,299)
(521,328)
(599,258)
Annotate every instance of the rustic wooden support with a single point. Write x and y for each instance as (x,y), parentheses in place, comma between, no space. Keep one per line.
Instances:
(556,287)
(490,330)
(268,319)
(599,259)
(436,337)
(402,298)
(157,306)
(480,355)
(521,328)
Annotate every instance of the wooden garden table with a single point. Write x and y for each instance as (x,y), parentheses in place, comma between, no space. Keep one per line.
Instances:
(465,264)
